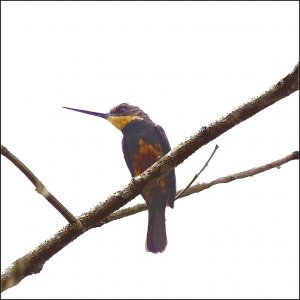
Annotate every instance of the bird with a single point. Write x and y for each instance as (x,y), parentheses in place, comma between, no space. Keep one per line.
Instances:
(143,143)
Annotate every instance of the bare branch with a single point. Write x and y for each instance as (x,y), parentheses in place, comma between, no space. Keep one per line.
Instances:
(33,262)
(197,175)
(248,173)
(122,213)
(40,187)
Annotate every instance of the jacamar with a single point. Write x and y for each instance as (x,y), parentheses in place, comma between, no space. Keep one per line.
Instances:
(144,142)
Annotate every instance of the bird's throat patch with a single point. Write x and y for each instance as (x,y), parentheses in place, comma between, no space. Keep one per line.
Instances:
(121,121)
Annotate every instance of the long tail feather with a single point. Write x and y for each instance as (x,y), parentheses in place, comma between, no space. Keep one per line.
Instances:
(156,235)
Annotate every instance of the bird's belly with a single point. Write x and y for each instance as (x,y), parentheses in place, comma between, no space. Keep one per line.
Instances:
(147,155)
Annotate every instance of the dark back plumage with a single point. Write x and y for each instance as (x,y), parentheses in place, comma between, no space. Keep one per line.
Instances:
(144,142)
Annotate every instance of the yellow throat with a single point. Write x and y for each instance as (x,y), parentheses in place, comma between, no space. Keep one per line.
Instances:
(121,121)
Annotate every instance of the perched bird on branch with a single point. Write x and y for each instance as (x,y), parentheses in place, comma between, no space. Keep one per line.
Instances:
(143,144)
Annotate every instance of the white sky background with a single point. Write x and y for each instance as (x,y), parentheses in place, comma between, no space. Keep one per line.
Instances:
(186,65)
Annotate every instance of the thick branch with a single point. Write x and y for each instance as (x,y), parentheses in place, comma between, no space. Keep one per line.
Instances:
(40,187)
(34,261)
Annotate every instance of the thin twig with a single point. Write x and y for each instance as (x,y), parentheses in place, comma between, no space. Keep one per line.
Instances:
(122,213)
(40,187)
(248,173)
(197,175)
(34,261)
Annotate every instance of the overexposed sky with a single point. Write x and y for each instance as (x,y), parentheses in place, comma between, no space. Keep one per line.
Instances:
(186,64)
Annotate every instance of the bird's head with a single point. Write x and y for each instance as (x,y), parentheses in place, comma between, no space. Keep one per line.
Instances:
(119,116)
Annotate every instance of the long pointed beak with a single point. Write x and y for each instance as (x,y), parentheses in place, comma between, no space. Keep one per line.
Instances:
(101,115)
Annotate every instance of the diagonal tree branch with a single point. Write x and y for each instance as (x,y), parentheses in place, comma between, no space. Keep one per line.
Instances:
(34,261)
(40,187)
(241,175)
(198,187)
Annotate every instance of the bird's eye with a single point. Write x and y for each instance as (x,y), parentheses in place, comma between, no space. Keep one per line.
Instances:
(122,110)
